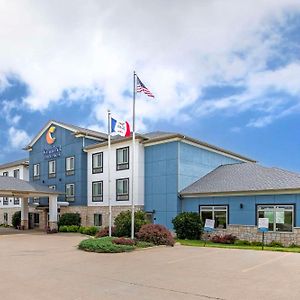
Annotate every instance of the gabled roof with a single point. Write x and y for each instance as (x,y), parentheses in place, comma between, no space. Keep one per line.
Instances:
(243,178)
(19,162)
(10,186)
(75,129)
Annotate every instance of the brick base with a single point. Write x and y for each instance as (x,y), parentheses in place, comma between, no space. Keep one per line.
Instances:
(251,233)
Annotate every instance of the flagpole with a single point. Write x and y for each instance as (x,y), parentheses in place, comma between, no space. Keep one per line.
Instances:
(132,158)
(108,173)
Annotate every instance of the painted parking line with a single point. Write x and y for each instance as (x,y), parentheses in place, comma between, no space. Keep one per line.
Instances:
(265,263)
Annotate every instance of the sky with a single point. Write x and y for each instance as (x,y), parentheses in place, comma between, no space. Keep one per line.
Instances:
(225,72)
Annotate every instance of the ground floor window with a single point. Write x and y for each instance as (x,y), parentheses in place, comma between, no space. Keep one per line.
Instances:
(97,219)
(5,217)
(281,217)
(215,212)
(70,192)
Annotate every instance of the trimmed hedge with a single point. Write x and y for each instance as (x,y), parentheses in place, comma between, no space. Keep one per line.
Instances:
(188,225)
(224,239)
(105,232)
(156,234)
(71,228)
(88,230)
(123,241)
(68,219)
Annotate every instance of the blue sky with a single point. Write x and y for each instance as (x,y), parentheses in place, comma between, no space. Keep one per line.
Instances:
(226,73)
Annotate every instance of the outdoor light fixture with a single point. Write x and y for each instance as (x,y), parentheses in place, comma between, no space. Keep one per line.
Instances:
(241,205)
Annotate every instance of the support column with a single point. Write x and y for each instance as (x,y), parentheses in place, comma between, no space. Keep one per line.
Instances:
(24,213)
(52,212)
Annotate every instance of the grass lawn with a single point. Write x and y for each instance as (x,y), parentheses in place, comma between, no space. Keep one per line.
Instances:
(199,243)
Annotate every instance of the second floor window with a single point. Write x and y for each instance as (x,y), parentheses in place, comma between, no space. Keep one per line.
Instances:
(36,171)
(5,200)
(123,189)
(5,174)
(16,201)
(97,162)
(52,169)
(17,173)
(70,165)
(123,158)
(70,192)
(97,192)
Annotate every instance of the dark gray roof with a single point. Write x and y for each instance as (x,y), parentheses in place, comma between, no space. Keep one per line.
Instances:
(23,161)
(16,186)
(243,177)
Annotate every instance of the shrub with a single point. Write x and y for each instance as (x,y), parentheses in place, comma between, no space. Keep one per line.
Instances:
(63,228)
(103,245)
(256,243)
(156,234)
(275,244)
(242,243)
(70,219)
(188,225)
(88,230)
(71,228)
(16,219)
(224,239)
(123,222)
(105,232)
(142,244)
(293,245)
(123,241)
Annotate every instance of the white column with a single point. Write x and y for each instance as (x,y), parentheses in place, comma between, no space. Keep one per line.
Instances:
(53,212)
(24,213)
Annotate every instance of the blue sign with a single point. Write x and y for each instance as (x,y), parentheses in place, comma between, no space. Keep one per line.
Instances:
(53,152)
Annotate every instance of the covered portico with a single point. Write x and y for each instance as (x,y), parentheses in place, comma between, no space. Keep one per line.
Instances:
(14,187)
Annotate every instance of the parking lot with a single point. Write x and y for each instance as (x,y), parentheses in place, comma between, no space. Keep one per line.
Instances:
(39,266)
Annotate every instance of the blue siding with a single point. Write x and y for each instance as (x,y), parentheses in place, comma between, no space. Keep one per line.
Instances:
(247,214)
(71,146)
(169,167)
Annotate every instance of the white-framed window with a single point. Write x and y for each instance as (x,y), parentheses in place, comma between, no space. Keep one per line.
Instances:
(122,158)
(122,189)
(97,163)
(97,191)
(219,213)
(281,217)
(70,165)
(5,174)
(70,191)
(97,219)
(17,173)
(5,200)
(52,168)
(16,201)
(36,171)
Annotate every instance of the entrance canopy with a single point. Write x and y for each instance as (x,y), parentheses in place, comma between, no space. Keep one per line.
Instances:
(14,187)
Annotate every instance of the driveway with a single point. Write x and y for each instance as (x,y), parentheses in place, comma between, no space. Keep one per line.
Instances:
(40,266)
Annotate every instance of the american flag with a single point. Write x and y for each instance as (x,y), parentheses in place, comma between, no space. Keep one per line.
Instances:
(140,88)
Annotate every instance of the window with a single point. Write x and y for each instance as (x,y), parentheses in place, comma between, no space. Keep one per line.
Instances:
(36,171)
(97,220)
(53,187)
(70,165)
(217,213)
(97,191)
(52,169)
(122,189)
(281,217)
(97,162)
(36,200)
(5,218)
(16,201)
(70,192)
(5,174)
(123,158)
(5,200)
(17,173)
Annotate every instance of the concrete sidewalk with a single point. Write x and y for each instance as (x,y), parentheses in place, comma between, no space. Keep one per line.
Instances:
(40,266)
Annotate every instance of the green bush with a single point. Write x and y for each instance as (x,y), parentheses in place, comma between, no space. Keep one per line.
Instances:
(275,244)
(63,228)
(256,243)
(71,228)
(242,243)
(16,219)
(70,219)
(142,244)
(188,225)
(123,222)
(88,230)
(103,245)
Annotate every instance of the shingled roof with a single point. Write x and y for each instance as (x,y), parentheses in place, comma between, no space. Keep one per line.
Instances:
(23,161)
(243,178)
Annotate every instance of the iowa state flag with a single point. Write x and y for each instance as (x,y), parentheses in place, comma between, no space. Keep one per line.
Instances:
(120,127)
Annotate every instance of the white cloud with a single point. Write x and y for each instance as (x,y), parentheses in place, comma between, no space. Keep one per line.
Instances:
(90,48)
(18,138)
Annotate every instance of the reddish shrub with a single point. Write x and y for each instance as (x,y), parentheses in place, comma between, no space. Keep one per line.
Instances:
(156,234)
(224,239)
(124,241)
(104,232)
